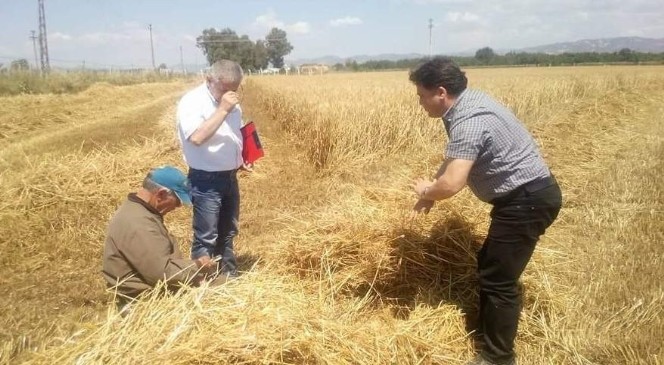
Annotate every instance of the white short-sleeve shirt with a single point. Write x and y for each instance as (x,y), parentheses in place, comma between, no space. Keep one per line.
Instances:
(222,151)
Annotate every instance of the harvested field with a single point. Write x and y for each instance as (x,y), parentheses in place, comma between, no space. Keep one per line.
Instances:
(335,273)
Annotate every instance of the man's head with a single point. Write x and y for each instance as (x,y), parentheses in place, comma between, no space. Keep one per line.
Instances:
(439,82)
(224,76)
(166,188)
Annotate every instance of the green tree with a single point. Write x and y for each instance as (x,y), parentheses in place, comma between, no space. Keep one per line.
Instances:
(226,44)
(277,47)
(352,65)
(19,65)
(485,55)
(260,55)
(626,54)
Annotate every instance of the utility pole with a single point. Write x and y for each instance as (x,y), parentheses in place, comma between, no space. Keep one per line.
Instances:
(34,48)
(430,28)
(182,61)
(152,47)
(43,44)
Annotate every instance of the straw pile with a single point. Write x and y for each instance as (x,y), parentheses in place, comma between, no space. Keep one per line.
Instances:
(263,318)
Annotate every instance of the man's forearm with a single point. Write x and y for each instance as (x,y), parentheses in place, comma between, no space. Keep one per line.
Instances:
(441,170)
(181,271)
(450,178)
(208,128)
(440,190)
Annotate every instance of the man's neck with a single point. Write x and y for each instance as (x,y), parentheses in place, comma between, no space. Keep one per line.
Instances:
(145,196)
(450,101)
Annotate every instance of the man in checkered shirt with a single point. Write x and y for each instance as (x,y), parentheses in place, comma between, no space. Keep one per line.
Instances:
(489,150)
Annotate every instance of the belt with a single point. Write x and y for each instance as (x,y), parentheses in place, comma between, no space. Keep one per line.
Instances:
(529,187)
(538,184)
(195,172)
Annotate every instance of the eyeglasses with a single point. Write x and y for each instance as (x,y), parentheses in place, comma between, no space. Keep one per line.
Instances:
(172,193)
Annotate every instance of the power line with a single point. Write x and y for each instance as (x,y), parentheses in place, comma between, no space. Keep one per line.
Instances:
(43,44)
(430,28)
(182,61)
(34,47)
(151,46)
(239,40)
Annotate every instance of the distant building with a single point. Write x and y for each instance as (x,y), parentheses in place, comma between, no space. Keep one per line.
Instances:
(313,69)
(269,71)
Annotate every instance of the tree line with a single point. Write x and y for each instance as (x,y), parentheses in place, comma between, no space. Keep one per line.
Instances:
(487,57)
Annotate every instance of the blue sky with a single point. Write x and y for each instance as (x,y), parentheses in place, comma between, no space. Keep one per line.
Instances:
(115,32)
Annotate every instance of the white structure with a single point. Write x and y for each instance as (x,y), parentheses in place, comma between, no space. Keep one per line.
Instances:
(270,71)
(312,69)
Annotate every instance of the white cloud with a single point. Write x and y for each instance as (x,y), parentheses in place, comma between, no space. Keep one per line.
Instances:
(189,38)
(99,38)
(124,44)
(458,17)
(349,20)
(133,25)
(130,32)
(270,20)
(298,28)
(60,36)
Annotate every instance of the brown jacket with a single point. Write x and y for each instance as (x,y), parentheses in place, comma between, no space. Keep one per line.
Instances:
(139,252)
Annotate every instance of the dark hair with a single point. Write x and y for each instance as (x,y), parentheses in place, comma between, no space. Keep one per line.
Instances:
(440,71)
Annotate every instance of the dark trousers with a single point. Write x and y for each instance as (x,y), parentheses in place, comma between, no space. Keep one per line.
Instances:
(216,201)
(517,222)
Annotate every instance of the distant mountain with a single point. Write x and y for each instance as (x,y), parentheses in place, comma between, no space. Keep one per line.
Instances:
(639,44)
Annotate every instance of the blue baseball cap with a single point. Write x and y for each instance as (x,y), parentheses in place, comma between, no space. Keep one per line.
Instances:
(172,178)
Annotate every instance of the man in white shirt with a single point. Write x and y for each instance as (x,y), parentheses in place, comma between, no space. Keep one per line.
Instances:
(209,119)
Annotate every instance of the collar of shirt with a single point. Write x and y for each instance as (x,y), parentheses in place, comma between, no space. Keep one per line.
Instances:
(449,115)
(134,198)
(207,90)
(452,111)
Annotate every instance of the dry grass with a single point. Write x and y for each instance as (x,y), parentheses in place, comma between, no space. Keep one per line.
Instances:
(62,82)
(336,274)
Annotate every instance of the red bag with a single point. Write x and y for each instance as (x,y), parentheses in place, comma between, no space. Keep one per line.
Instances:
(252,149)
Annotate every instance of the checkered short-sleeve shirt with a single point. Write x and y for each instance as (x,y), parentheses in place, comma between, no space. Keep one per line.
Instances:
(482,130)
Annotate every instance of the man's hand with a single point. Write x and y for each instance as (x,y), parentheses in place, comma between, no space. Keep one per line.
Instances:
(420,185)
(248,167)
(422,206)
(228,101)
(205,264)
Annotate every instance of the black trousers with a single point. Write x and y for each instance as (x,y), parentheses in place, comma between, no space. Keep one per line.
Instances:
(517,222)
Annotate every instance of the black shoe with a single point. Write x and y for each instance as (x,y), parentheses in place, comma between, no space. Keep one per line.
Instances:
(479,360)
